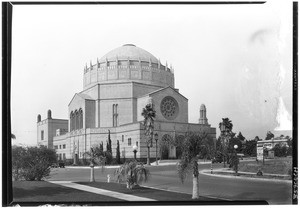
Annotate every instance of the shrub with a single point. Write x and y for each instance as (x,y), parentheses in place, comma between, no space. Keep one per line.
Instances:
(133,172)
(32,163)
(108,157)
(259,173)
(280,151)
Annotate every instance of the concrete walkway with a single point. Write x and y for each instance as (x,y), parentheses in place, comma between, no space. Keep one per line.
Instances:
(117,195)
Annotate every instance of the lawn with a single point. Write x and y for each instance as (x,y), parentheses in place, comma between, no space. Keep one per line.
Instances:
(27,193)
(43,192)
(156,194)
(275,166)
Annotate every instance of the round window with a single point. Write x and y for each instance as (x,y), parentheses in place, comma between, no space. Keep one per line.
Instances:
(169,108)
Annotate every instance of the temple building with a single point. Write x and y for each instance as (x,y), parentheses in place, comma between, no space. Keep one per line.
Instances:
(115,90)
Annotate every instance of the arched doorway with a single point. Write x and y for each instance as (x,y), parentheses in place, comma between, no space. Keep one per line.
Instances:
(165,147)
(164,152)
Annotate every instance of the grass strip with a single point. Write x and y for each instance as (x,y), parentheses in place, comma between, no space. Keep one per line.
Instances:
(156,194)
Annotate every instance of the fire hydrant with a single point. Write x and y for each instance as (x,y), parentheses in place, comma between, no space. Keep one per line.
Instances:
(108,178)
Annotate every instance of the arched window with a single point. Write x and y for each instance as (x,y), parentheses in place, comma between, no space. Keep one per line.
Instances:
(76,120)
(72,121)
(115,115)
(80,119)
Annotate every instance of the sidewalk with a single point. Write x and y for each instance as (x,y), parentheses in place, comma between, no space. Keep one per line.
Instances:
(139,193)
(118,195)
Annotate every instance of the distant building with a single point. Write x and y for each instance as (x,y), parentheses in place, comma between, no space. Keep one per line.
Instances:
(270,144)
(115,90)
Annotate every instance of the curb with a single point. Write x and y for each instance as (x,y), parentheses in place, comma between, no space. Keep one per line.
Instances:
(207,172)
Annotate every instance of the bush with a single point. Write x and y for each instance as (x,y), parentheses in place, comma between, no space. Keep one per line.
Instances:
(133,173)
(108,157)
(32,163)
(280,151)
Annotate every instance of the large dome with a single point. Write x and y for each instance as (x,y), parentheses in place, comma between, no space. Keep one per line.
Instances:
(128,63)
(129,52)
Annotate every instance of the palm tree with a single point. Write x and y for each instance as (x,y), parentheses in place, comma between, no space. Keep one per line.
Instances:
(96,156)
(225,135)
(149,114)
(191,147)
(269,136)
(133,172)
(228,125)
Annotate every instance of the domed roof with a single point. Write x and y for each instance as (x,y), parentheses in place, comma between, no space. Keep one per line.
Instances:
(202,107)
(129,51)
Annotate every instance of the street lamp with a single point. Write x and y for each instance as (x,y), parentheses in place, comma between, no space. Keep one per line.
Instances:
(134,151)
(156,138)
(236,162)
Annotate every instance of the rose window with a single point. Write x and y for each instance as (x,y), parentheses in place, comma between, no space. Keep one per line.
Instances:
(169,108)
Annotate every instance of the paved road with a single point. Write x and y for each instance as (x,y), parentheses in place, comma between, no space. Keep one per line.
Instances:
(165,177)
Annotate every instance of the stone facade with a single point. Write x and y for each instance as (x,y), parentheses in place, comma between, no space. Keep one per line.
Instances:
(115,90)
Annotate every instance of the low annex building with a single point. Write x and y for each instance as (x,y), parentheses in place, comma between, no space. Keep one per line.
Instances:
(115,91)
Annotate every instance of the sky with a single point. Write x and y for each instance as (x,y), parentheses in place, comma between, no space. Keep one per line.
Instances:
(235,59)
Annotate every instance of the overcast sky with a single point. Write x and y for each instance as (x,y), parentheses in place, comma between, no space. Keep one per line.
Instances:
(235,59)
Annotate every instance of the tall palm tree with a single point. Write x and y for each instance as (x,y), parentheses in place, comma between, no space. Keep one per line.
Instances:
(149,115)
(133,172)
(191,147)
(225,136)
(96,156)
(228,125)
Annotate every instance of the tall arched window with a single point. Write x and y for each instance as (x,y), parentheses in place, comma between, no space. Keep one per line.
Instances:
(72,121)
(80,119)
(115,115)
(76,120)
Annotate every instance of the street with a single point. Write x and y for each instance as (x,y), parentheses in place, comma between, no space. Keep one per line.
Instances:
(165,177)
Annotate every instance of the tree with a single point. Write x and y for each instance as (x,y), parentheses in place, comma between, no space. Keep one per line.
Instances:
(96,156)
(280,151)
(109,148)
(269,136)
(101,146)
(32,163)
(17,161)
(108,153)
(257,138)
(118,156)
(290,147)
(250,148)
(226,135)
(241,137)
(133,173)
(149,115)
(191,148)
(208,148)
(228,125)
